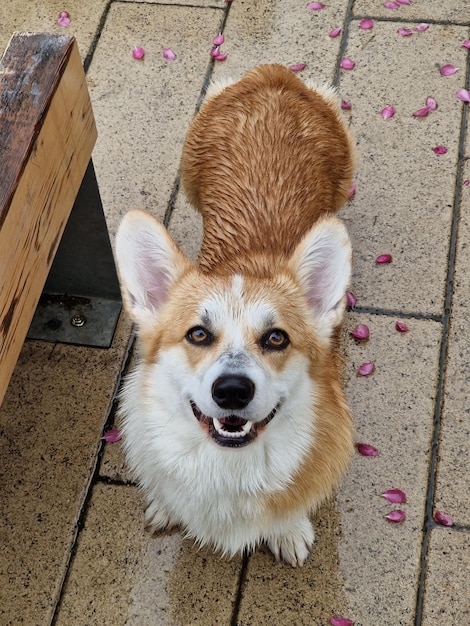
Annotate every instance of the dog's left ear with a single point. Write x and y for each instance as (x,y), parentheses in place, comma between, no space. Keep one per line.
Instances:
(322,264)
(149,263)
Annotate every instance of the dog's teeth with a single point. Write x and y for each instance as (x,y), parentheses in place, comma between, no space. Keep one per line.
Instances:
(245,429)
(218,425)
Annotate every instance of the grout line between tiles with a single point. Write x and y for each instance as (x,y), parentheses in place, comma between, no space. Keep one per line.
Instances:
(344,42)
(97,37)
(407,20)
(429,523)
(396,313)
(240,589)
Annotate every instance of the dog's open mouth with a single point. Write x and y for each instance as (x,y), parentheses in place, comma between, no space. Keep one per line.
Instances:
(232,431)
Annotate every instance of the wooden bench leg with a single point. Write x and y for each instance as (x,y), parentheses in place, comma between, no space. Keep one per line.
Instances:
(81,300)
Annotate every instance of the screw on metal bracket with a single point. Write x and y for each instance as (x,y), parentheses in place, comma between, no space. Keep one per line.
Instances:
(78,320)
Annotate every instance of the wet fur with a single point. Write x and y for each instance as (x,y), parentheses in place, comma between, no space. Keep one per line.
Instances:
(265,161)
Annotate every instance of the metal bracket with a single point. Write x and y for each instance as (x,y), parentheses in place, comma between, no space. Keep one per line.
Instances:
(81,300)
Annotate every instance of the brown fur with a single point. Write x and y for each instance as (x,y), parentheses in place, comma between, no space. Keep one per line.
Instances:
(263,160)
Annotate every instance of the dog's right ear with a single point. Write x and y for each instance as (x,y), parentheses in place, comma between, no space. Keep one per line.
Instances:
(149,262)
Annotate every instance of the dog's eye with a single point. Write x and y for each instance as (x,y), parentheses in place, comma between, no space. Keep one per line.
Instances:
(199,336)
(275,339)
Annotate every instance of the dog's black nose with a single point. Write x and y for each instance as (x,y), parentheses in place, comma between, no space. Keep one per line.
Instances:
(233,392)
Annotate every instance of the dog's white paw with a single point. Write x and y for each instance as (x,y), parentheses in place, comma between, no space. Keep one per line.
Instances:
(157,519)
(294,542)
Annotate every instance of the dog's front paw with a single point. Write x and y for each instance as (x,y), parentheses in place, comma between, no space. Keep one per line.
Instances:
(293,543)
(157,519)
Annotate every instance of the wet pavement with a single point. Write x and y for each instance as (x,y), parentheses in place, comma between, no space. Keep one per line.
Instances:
(74,548)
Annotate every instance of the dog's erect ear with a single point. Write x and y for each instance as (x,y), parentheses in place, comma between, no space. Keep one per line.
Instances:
(149,262)
(322,265)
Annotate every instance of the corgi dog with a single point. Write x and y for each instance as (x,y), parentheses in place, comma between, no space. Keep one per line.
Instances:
(234,422)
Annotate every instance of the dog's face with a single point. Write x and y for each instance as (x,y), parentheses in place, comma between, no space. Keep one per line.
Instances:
(238,347)
(236,351)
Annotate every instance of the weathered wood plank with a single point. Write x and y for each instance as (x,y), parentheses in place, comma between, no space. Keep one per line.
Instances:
(47,133)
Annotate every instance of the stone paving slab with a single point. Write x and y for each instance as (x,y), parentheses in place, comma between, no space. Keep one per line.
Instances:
(404,199)
(418,10)
(50,427)
(123,575)
(453,477)
(153,101)
(447,600)
(281,32)
(38,16)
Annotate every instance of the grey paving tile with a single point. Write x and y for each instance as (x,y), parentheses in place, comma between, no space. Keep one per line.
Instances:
(453,476)
(37,16)
(122,575)
(447,600)
(281,32)
(143,108)
(455,11)
(393,410)
(364,567)
(50,427)
(404,191)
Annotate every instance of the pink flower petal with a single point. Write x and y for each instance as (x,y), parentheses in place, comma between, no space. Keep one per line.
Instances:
(366,24)
(112,436)
(404,32)
(401,327)
(361,332)
(463,94)
(440,150)
(298,67)
(391,5)
(387,112)
(396,496)
(443,518)
(138,53)
(382,259)
(220,57)
(421,28)
(431,103)
(347,64)
(448,70)
(366,449)
(315,6)
(466,183)
(218,40)
(335,32)
(466,44)
(366,369)
(351,299)
(346,106)
(64,19)
(421,112)
(341,621)
(352,190)
(396,516)
(169,54)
